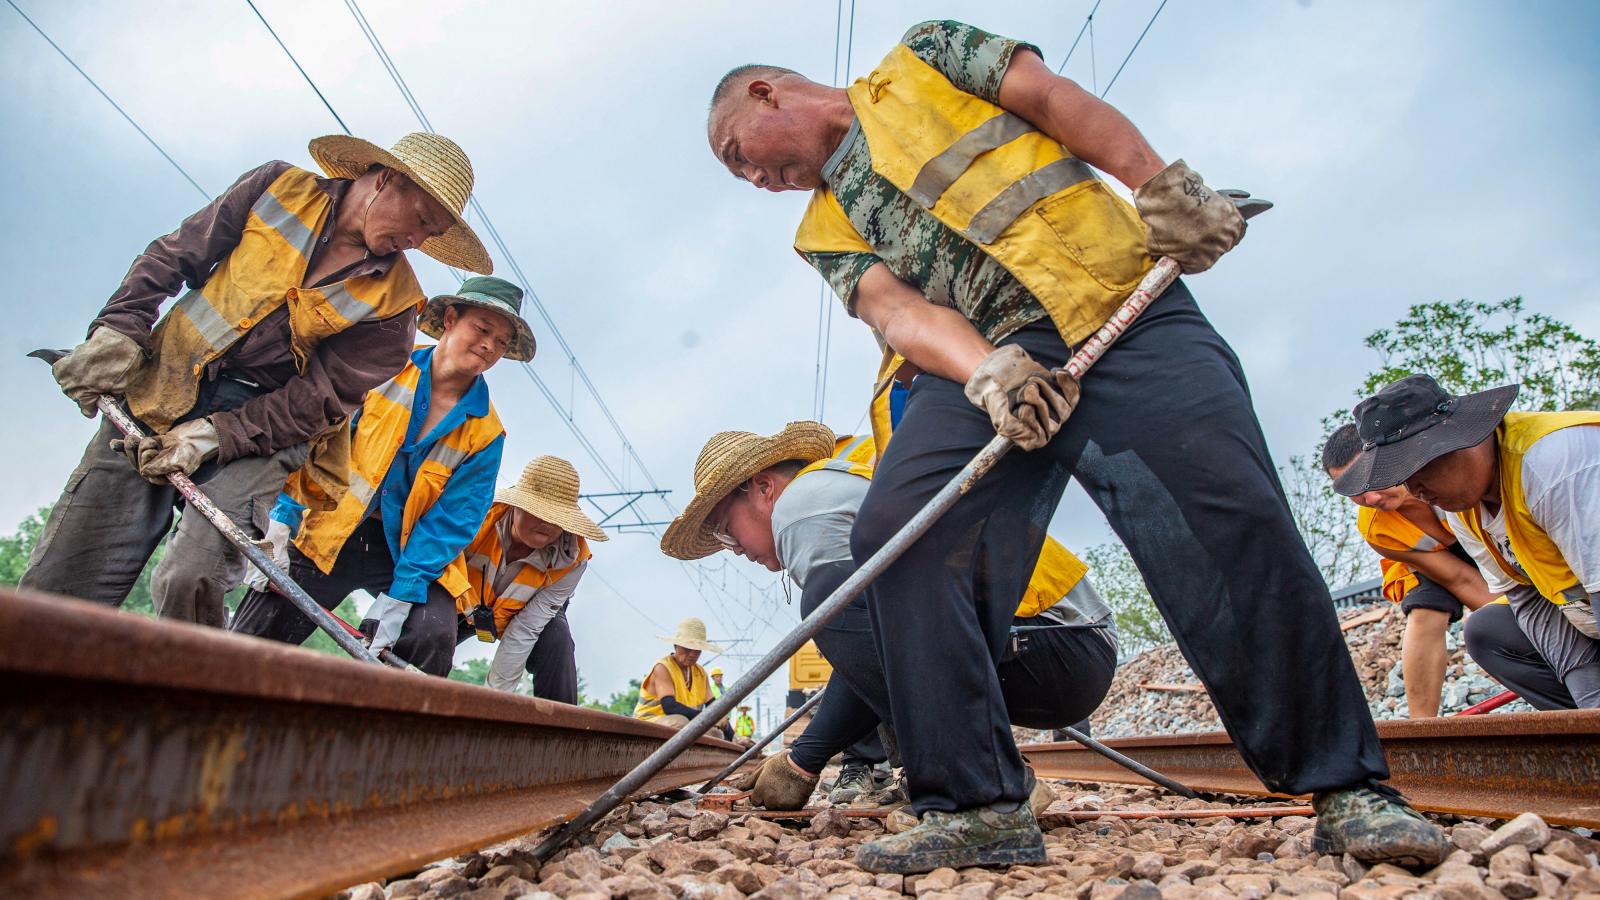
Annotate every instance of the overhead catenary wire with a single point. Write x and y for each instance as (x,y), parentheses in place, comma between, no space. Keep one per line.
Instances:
(1086,20)
(1133,48)
(114,105)
(299,68)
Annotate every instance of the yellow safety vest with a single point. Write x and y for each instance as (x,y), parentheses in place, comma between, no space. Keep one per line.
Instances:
(385,416)
(483,557)
(1054,576)
(1393,531)
(693,693)
(1537,554)
(999,182)
(266,270)
(744,725)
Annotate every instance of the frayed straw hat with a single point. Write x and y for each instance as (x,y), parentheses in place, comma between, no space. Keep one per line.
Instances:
(548,489)
(727,461)
(691,634)
(437,165)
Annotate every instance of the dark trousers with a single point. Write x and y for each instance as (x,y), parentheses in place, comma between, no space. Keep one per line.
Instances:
(1497,643)
(1058,677)
(428,639)
(553,662)
(1165,442)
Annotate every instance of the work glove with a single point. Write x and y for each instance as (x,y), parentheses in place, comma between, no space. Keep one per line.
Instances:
(1187,220)
(385,618)
(1026,402)
(779,785)
(103,364)
(277,547)
(182,449)
(1581,614)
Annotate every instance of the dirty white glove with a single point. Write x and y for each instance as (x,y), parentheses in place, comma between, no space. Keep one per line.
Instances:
(1581,614)
(182,449)
(103,364)
(387,617)
(1187,220)
(1025,401)
(277,547)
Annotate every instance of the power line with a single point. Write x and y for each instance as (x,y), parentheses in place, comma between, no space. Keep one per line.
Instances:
(1086,20)
(1134,47)
(114,105)
(345,128)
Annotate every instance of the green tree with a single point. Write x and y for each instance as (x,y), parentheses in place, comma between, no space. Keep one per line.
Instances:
(15,548)
(473,671)
(621,702)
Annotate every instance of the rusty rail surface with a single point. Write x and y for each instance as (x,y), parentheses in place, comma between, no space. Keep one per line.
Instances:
(142,758)
(1500,765)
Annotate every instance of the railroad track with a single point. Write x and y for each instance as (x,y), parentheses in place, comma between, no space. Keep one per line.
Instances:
(1500,765)
(141,758)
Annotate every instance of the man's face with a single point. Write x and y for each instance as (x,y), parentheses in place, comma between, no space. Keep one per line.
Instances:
(533,531)
(402,216)
(1456,481)
(1389,499)
(474,339)
(771,138)
(684,657)
(745,517)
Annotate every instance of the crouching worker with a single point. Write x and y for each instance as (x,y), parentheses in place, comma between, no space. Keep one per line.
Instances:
(678,688)
(300,301)
(522,570)
(1522,490)
(423,459)
(1425,570)
(789,502)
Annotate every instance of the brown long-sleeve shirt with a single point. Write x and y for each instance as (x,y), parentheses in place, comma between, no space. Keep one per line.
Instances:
(295,406)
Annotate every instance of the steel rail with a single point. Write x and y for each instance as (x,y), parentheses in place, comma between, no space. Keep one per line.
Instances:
(1500,765)
(143,758)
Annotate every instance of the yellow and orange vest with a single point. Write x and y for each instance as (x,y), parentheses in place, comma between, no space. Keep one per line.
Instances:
(476,568)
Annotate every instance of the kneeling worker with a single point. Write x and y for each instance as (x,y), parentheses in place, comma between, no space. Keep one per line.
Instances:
(678,688)
(521,571)
(789,502)
(424,454)
(1522,490)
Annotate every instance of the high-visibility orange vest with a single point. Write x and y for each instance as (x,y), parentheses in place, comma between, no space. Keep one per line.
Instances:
(1393,531)
(484,557)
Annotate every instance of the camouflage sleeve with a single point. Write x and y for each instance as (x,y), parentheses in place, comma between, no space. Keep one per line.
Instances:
(843,272)
(973,59)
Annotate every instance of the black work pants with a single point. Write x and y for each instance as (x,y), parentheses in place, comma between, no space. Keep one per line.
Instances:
(428,638)
(1165,442)
(552,661)
(1496,643)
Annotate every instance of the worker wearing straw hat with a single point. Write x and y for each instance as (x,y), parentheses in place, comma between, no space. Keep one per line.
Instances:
(424,455)
(301,301)
(678,687)
(521,572)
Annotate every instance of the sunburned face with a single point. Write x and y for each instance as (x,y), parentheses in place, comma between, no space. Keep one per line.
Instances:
(1457,481)
(402,215)
(743,521)
(684,657)
(771,139)
(1388,499)
(533,531)
(474,339)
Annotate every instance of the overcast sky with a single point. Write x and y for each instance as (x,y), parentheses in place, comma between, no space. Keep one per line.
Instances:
(1417,152)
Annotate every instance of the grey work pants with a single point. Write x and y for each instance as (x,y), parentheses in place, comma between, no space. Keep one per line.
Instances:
(109,520)
(1573,656)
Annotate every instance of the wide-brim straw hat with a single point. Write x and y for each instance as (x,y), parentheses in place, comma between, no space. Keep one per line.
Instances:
(437,165)
(548,489)
(691,634)
(1412,422)
(727,461)
(486,292)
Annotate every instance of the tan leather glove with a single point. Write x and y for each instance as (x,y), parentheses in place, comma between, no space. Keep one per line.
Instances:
(182,449)
(103,364)
(780,785)
(1187,220)
(1026,402)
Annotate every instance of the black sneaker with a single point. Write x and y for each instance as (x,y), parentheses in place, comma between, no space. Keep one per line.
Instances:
(972,837)
(855,780)
(1374,824)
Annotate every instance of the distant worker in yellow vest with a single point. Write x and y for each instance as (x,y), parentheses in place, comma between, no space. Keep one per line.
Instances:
(955,209)
(744,727)
(423,460)
(677,687)
(1425,570)
(789,502)
(716,683)
(522,571)
(1522,490)
(300,301)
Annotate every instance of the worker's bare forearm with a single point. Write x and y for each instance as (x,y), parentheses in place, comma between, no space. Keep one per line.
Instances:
(1090,128)
(1462,580)
(935,339)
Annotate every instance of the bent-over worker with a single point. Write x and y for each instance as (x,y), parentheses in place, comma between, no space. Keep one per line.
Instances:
(677,687)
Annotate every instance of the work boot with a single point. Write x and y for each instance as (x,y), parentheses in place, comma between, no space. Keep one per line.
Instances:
(973,837)
(1374,824)
(891,793)
(779,785)
(855,779)
(1040,796)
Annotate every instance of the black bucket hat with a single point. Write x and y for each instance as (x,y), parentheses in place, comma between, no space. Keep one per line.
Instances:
(1412,422)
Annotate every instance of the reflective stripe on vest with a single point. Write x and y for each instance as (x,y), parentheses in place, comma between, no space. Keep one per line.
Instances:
(479,566)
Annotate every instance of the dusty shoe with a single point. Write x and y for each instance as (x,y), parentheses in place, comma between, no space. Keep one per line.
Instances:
(779,785)
(973,837)
(854,781)
(1040,796)
(1376,825)
(890,793)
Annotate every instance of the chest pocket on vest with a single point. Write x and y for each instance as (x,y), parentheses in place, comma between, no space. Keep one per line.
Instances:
(1082,224)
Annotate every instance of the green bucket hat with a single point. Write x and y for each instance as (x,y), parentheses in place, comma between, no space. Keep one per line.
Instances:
(488,292)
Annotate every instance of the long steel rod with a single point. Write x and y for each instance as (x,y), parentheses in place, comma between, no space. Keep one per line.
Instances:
(760,745)
(1154,283)
(1132,765)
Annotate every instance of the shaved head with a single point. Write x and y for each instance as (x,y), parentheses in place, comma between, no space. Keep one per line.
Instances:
(774,128)
(740,76)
